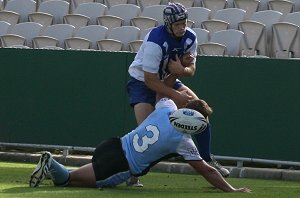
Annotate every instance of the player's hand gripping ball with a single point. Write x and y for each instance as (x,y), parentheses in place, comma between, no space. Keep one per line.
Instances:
(186,59)
(188,121)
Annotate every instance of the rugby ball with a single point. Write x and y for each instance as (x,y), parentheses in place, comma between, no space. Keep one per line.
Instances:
(188,121)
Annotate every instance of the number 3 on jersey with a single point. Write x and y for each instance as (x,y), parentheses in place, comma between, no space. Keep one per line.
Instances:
(146,141)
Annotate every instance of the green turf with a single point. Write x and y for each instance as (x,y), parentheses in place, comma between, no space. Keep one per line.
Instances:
(14,183)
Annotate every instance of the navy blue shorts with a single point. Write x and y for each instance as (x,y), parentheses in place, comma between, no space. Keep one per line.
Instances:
(139,93)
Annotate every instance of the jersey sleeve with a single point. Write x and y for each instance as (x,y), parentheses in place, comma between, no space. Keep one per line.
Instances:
(152,57)
(193,50)
(166,103)
(187,149)
(192,43)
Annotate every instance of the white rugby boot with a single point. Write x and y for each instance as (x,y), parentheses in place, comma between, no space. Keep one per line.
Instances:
(41,170)
(134,182)
(223,171)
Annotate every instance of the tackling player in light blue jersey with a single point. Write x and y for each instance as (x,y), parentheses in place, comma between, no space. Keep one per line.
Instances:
(156,139)
(117,159)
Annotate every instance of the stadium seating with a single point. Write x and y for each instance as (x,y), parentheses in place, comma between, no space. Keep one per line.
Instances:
(190,23)
(214,25)
(41,42)
(42,18)
(135,45)
(263,5)
(59,32)
(144,33)
(205,16)
(198,15)
(9,16)
(23,8)
(57,8)
(93,33)
(231,15)
(202,35)
(212,49)
(110,21)
(110,3)
(297,5)
(186,3)
(77,43)
(268,18)
(92,10)
(229,3)
(214,5)
(282,6)
(77,20)
(125,11)
(143,22)
(230,38)
(283,37)
(250,6)
(4,27)
(109,45)
(74,4)
(145,3)
(28,30)
(1,5)
(155,12)
(125,34)
(255,38)
(13,40)
(292,18)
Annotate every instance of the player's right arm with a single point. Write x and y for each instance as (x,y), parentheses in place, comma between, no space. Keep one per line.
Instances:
(214,177)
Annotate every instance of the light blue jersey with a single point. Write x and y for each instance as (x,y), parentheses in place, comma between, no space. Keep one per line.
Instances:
(158,48)
(155,139)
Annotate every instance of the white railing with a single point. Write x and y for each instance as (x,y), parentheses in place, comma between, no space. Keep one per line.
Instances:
(66,149)
(240,161)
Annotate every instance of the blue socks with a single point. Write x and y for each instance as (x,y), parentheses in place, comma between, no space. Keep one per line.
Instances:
(59,174)
(203,143)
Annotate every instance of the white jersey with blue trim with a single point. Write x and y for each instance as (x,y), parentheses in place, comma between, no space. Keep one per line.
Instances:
(155,138)
(157,48)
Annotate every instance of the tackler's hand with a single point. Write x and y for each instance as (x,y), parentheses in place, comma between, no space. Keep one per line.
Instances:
(175,67)
(182,98)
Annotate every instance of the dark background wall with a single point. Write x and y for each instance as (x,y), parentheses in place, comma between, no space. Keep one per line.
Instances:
(79,98)
(256,105)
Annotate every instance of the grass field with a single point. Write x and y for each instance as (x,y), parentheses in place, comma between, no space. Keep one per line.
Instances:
(14,183)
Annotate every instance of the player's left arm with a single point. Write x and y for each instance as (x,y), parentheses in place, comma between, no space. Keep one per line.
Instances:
(188,61)
(185,65)
(214,177)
